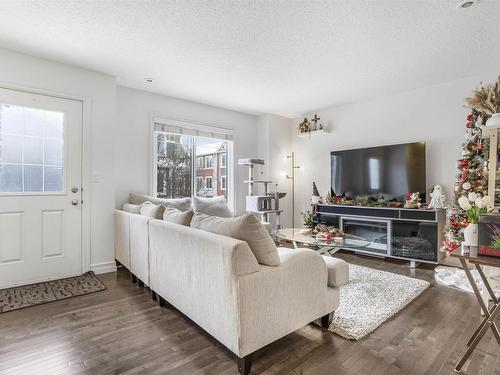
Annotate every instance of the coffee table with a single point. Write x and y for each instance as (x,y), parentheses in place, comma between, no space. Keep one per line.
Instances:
(303,236)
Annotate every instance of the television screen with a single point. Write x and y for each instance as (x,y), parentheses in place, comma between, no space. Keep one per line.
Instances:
(387,172)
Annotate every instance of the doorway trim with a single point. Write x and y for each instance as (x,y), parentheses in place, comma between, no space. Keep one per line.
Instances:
(86,161)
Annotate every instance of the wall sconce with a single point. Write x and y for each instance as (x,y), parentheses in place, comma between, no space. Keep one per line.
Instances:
(291,176)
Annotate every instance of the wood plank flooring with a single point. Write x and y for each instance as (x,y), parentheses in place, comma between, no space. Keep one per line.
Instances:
(122,331)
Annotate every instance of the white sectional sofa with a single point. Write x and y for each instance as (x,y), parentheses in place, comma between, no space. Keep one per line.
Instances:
(217,282)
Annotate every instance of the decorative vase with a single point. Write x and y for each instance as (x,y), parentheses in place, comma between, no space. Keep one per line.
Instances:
(470,235)
(493,121)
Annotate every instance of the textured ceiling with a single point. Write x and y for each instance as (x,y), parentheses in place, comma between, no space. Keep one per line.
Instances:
(279,57)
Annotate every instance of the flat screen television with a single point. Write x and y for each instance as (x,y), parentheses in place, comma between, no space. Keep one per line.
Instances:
(388,172)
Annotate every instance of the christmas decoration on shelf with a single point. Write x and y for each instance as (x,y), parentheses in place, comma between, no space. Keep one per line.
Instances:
(308,126)
(486,100)
(331,198)
(437,197)
(412,200)
(304,126)
(315,198)
(471,177)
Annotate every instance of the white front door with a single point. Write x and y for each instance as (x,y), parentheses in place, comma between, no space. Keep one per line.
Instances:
(40,188)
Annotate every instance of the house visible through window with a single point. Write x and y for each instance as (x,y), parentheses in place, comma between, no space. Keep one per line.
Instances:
(188,165)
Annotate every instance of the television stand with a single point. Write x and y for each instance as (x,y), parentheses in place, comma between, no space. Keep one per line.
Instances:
(409,234)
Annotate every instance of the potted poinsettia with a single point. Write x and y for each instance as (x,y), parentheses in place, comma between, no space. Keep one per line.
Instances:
(473,205)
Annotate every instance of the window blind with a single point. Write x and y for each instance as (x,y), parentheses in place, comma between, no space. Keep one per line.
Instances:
(169,125)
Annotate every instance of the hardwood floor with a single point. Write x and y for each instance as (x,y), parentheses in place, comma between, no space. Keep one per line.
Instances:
(122,331)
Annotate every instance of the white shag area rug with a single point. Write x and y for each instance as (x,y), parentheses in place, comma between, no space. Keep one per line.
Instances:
(370,298)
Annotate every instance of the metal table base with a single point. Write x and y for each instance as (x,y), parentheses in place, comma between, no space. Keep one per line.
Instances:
(490,314)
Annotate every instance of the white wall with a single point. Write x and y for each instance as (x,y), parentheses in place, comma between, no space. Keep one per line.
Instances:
(22,71)
(275,134)
(133,148)
(433,114)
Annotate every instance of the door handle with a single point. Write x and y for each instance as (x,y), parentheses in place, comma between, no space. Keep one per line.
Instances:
(74,202)
(74,190)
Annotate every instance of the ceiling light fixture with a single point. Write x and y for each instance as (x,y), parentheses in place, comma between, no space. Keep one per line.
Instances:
(149,80)
(463,4)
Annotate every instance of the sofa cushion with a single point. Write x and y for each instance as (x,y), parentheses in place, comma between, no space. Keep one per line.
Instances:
(182,204)
(173,215)
(132,208)
(152,210)
(215,206)
(338,271)
(245,228)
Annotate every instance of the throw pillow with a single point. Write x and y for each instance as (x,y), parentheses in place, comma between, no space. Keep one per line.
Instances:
(215,206)
(183,204)
(132,208)
(152,210)
(173,215)
(246,228)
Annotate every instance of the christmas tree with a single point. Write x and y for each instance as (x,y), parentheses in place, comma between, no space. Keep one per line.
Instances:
(471,178)
(472,173)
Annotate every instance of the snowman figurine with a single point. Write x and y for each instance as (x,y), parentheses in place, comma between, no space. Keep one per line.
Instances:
(437,197)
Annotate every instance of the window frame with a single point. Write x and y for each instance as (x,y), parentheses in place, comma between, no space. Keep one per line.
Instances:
(189,125)
(65,140)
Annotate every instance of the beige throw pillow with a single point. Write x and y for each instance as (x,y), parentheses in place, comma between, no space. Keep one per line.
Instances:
(152,210)
(173,215)
(183,204)
(132,208)
(215,206)
(245,228)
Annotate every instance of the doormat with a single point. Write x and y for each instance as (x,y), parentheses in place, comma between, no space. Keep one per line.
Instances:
(20,297)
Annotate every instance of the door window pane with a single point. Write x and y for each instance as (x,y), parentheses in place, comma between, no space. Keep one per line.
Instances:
(33,178)
(53,152)
(31,150)
(11,178)
(53,179)
(11,148)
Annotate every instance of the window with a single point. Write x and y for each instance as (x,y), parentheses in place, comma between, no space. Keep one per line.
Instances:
(223,160)
(209,161)
(31,150)
(188,164)
(174,165)
(374,168)
(199,162)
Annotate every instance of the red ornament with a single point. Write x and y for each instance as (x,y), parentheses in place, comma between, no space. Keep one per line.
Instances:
(470,118)
(464,162)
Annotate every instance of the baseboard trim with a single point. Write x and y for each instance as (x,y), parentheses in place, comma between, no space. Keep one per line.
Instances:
(103,267)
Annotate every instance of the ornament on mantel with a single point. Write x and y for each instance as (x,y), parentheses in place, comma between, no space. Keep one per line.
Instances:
(412,200)
(437,197)
(315,198)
